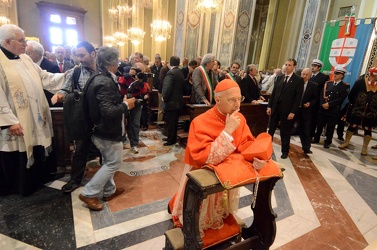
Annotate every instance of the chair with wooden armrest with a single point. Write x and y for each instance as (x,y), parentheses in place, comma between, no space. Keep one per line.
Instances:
(200,184)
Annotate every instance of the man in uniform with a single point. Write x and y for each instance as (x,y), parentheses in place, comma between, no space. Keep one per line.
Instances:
(319,78)
(331,99)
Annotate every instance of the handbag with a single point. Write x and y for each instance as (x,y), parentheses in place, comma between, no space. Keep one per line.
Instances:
(76,120)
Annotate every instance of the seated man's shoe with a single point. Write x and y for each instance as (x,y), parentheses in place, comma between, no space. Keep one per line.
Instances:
(70,187)
(326,145)
(284,156)
(168,144)
(308,152)
(92,203)
(118,191)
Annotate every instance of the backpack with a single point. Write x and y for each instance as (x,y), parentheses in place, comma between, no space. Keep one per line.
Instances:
(75,110)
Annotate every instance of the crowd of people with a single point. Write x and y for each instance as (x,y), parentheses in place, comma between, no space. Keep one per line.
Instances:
(119,94)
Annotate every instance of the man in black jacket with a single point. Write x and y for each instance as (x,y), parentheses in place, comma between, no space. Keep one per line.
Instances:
(106,111)
(308,103)
(284,104)
(172,94)
(249,85)
(36,51)
(319,78)
(333,95)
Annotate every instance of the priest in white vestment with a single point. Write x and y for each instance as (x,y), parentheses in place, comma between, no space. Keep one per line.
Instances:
(25,121)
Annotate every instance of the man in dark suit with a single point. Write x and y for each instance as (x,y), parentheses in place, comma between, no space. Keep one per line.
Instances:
(172,94)
(308,103)
(249,86)
(233,73)
(331,99)
(60,62)
(319,78)
(284,104)
(36,51)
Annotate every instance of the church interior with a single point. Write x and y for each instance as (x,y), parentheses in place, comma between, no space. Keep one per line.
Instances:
(325,200)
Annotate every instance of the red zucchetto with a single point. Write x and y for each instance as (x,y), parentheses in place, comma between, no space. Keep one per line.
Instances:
(225,84)
(373,71)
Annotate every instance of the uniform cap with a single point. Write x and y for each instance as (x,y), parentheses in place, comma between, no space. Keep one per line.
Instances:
(373,71)
(225,84)
(339,69)
(317,62)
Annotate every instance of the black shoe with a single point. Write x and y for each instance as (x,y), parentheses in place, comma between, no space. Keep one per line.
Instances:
(168,144)
(308,152)
(70,187)
(284,156)
(315,141)
(340,138)
(326,145)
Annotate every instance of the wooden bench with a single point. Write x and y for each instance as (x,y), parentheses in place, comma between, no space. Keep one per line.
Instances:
(200,184)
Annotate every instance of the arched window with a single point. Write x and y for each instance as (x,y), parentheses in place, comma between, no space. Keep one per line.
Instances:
(60,24)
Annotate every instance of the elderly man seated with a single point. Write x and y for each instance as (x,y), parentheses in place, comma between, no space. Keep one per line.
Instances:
(221,141)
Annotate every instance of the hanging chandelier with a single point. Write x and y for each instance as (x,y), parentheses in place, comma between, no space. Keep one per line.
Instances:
(4,5)
(135,35)
(161,30)
(120,38)
(209,6)
(109,41)
(124,10)
(4,20)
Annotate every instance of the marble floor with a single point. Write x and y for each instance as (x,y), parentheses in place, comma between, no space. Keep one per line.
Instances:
(326,200)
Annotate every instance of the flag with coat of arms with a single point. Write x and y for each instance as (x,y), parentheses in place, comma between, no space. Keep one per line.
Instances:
(345,44)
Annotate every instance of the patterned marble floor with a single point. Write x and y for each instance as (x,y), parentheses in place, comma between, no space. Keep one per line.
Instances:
(326,200)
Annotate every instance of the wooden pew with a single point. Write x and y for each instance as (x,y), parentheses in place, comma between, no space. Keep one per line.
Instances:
(255,115)
(201,183)
(59,142)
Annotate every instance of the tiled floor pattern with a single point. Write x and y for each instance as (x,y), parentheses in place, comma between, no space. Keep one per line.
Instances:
(325,201)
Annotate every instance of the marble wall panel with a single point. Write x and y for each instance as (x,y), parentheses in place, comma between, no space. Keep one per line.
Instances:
(180,28)
(242,39)
(228,27)
(306,36)
(318,30)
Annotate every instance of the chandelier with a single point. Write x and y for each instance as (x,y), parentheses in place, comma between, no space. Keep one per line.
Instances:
(124,10)
(135,35)
(209,6)
(109,41)
(4,20)
(146,4)
(120,38)
(160,30)
(4,5)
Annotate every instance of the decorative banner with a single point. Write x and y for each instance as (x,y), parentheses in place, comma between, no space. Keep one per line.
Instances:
(345,45)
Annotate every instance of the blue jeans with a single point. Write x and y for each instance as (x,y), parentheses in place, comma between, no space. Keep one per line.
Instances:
(133,126)
(103,180)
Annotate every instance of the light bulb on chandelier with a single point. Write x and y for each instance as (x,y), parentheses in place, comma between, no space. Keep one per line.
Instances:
(120,38)
(135,35)
(160,30)
(209,6)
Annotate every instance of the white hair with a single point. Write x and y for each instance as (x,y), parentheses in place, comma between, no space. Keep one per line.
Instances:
(7,31)
(37,47)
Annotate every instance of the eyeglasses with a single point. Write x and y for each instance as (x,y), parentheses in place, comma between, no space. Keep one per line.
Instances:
(234,100)
(22,40)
